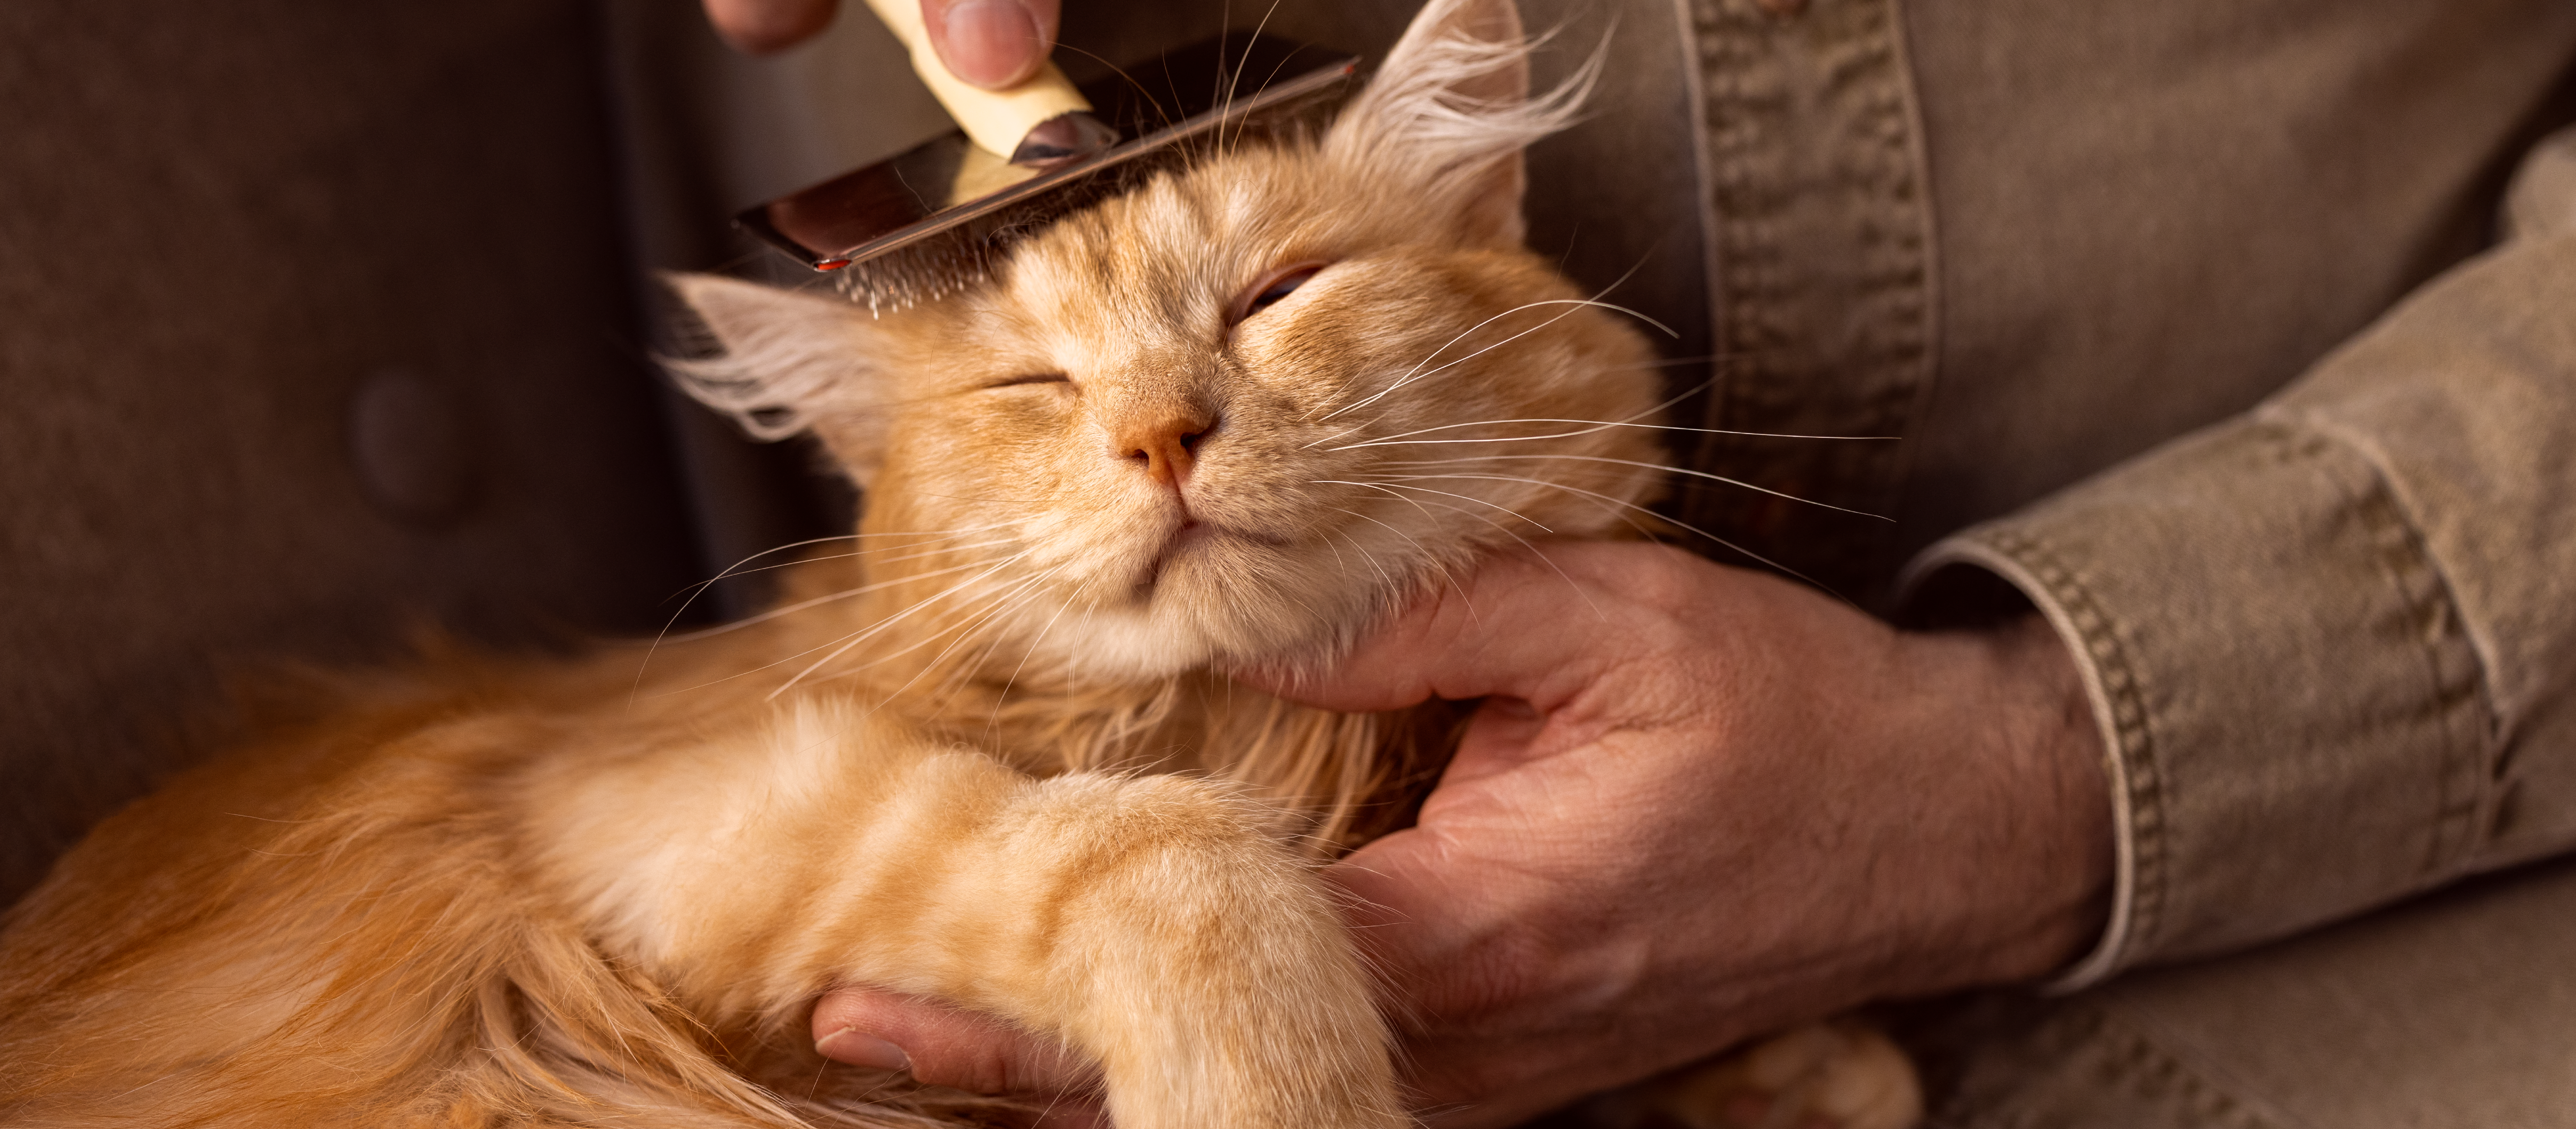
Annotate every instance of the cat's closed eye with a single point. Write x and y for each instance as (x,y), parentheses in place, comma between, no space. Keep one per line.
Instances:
(1272,287)
(1030,378)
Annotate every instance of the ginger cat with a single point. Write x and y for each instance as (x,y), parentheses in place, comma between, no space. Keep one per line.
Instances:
(980,751)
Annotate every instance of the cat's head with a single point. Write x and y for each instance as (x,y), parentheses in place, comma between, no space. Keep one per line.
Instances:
(1238,411)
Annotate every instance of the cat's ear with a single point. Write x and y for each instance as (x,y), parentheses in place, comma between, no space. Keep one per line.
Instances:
(1447,116)
(786,362)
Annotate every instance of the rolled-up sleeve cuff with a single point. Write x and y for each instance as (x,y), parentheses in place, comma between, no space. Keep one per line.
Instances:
(2292,715)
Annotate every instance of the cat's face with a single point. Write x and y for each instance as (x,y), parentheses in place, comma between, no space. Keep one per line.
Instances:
(1238,411)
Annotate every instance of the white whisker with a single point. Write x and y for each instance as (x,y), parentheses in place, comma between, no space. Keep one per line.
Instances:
(964,630)
(1418,375)
(1594,427)
(1648,466)
(1365,555)
(801,605)
(1427,554)
(863,636)
(820,646)
(1542,527)
(1236,78)
(1025,656)
(1594,300)
(1434,560)
(700,588)
(1507,532)
(1632,417)
(1674,522)
(983,660)
(1374,486)
(890,621)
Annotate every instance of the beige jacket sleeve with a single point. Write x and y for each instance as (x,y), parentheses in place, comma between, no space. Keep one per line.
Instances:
(2331,642)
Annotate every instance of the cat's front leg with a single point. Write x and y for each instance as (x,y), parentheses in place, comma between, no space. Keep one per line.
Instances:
(1194,957)
(1146,920)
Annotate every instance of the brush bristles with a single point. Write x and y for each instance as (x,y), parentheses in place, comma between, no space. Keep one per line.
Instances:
(962,256)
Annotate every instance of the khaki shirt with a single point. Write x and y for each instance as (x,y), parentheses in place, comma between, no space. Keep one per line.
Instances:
(2188,313)
(2240,339)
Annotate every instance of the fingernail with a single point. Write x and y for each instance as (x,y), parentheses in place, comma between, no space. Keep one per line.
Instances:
(992,43)
(858,1048)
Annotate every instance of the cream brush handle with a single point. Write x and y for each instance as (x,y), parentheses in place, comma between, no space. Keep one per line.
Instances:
(996,120)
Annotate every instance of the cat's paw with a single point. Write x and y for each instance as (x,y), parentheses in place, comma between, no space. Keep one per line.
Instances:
(1838,1075)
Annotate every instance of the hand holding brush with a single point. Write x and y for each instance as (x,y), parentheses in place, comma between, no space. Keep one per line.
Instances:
(993,44)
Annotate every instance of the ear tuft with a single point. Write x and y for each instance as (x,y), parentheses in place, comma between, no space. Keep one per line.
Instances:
(785,358)
(1450,112)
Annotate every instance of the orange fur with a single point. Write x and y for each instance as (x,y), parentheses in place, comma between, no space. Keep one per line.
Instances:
(979,752)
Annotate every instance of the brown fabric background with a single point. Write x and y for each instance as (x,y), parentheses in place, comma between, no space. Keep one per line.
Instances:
(216,221)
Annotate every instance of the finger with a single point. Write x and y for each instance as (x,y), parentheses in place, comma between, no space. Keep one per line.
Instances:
(758,27)
(1493,1012)
(1393,881)
(1525,625)
(1428,922)
(942,1045)
(994,44)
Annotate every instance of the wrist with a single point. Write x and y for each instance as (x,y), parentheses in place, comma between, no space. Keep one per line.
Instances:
(2024,855)
(2062,754)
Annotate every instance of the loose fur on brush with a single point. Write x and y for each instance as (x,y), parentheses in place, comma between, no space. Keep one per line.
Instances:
(982,750)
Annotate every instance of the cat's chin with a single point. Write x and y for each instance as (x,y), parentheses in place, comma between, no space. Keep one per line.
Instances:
(1125,644)
(1206,595)
(1169,632)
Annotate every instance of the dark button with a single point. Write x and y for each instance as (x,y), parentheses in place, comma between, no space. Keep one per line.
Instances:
(408,441)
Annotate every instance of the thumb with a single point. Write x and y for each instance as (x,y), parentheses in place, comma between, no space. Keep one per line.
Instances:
(762,27)
(994,44)
(1524,626)
(943,1045)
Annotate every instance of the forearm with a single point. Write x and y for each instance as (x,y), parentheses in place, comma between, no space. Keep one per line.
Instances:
(2331,644)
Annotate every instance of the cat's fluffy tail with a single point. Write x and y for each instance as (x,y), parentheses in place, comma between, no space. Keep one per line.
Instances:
(370,960)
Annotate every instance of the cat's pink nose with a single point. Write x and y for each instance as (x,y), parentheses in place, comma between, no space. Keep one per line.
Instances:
(1165,444)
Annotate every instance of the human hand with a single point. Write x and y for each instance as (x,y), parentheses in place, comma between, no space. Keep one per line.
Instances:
(994,44)
(1699,804)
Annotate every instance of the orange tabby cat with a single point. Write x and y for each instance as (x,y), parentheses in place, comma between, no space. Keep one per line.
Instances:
(979,752)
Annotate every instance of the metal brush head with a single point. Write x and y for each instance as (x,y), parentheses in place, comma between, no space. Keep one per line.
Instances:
(933,220)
